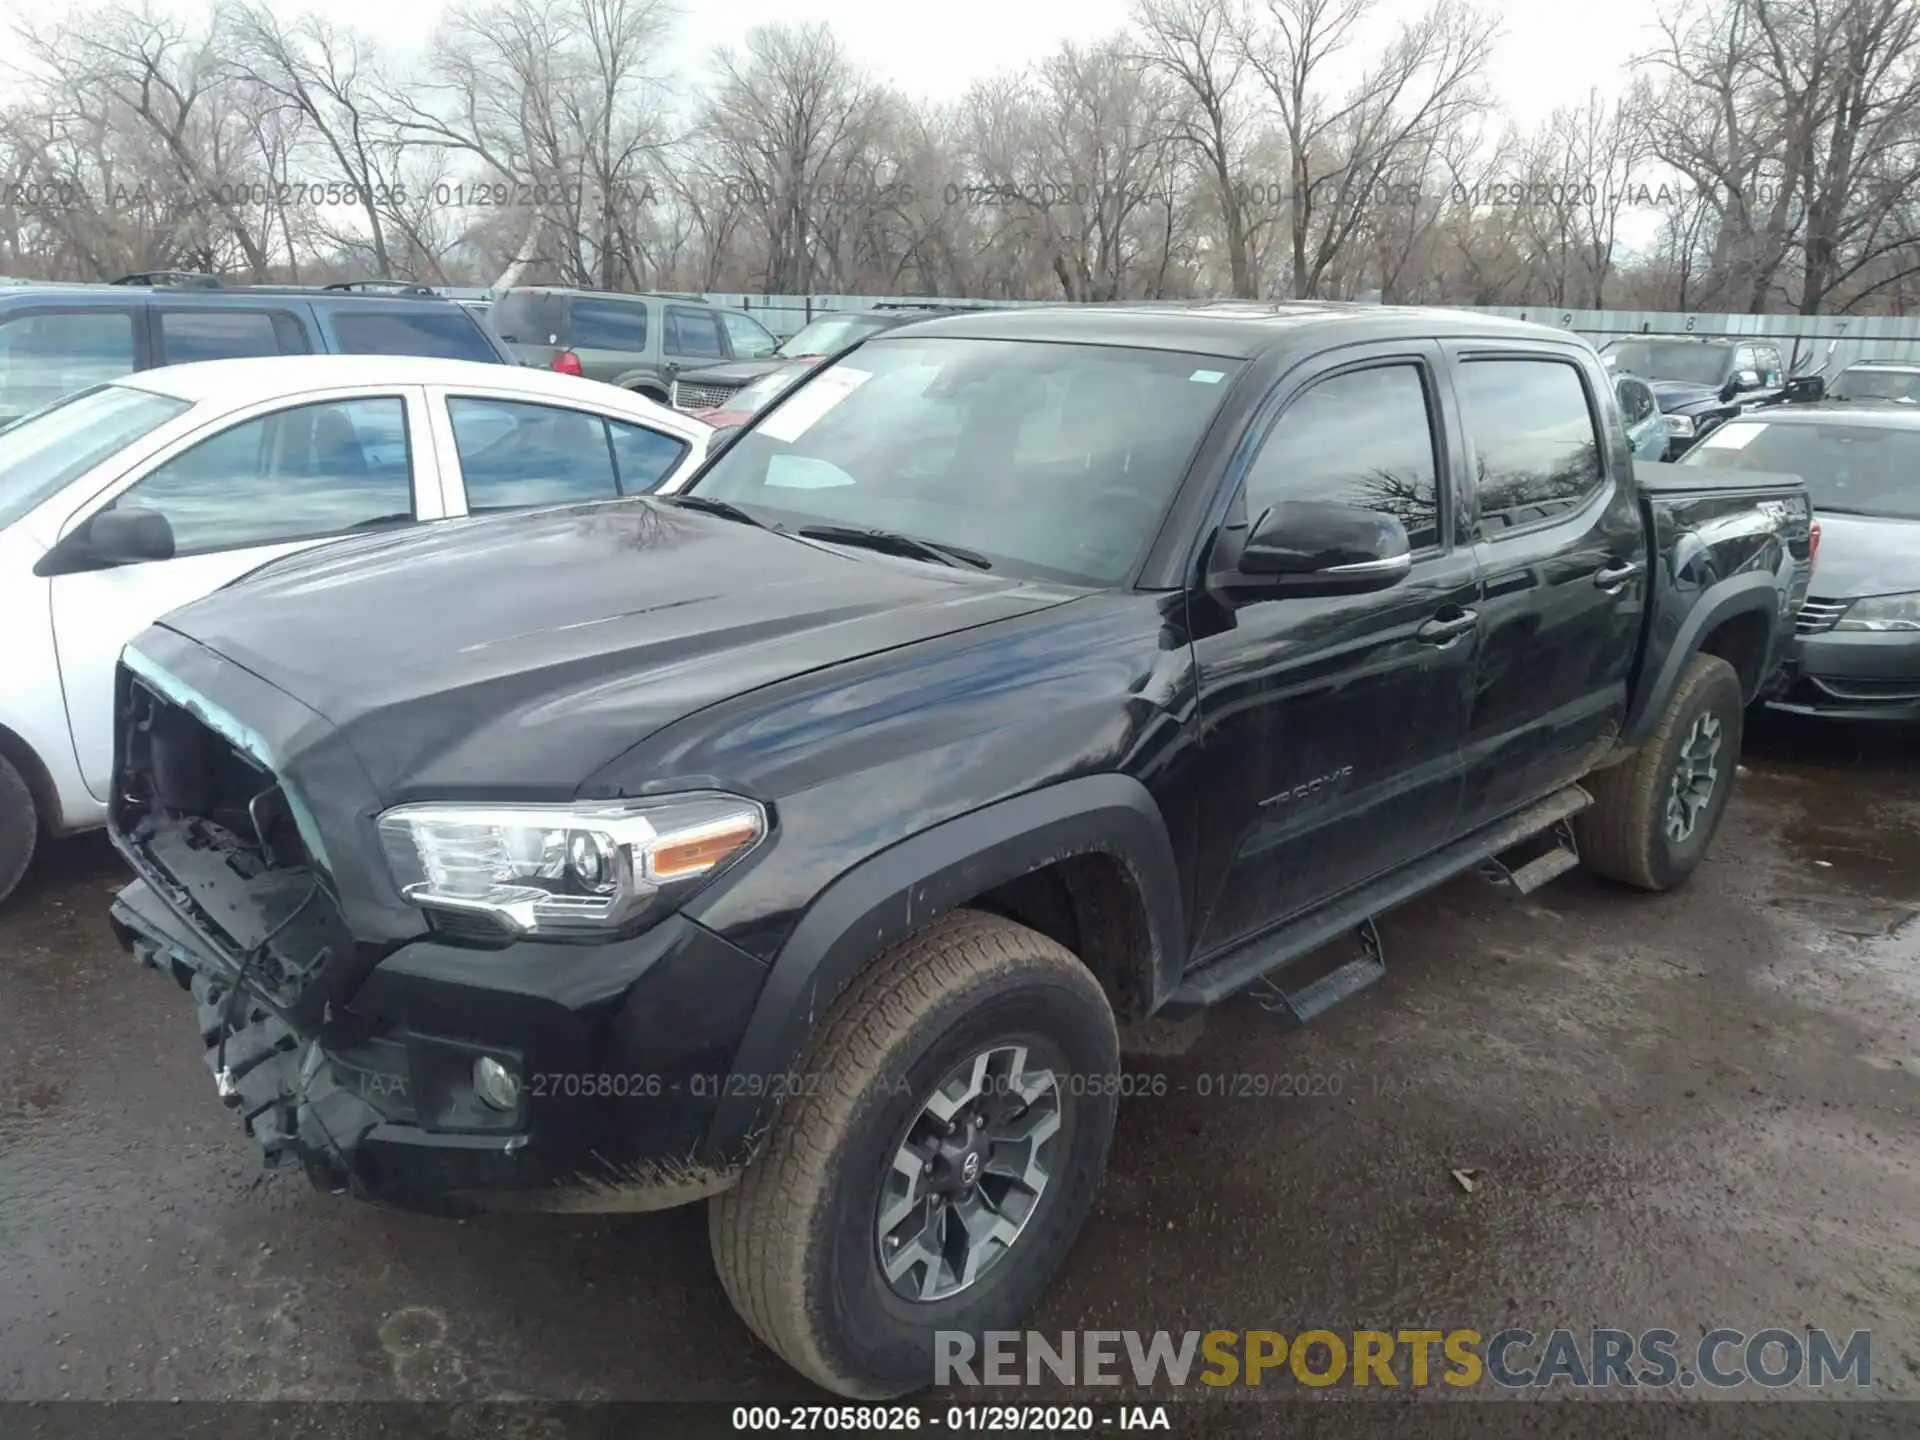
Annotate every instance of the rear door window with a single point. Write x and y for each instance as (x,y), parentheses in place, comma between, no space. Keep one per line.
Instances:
(514,453)
(609,325)
(643,457)
(442,332)
(225,334)
(1535,441)
(48,354)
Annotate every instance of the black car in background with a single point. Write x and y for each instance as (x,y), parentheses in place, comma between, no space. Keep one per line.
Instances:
(1856,653)
(1696,381)
(714,386)
(59,338)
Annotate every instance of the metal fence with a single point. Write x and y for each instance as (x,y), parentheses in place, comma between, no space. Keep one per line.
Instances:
(1810,342)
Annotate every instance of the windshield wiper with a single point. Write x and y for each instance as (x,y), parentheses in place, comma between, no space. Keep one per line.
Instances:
(711,506)
(892,542)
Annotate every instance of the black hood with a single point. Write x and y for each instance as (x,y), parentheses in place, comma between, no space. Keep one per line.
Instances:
(534,648)
(1865,555)
(1681,396)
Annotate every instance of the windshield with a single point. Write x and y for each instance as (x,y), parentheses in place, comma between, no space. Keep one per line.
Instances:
(1902,385)
(44,451)
(1682,360)
(1849,469)
(749,398)
(1053,460)
(830,333)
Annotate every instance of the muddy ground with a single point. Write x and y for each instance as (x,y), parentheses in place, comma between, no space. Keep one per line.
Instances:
(1688,1111)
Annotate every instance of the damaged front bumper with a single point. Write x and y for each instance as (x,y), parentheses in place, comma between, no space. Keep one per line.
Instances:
(621,1051)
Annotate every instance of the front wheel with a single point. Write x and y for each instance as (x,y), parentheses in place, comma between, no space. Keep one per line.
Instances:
(19,827)
(1654,815)
(937,1177)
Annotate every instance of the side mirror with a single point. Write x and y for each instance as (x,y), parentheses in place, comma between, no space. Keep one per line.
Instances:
(1805,388)
(113,537)
(129,537)
(1313,547)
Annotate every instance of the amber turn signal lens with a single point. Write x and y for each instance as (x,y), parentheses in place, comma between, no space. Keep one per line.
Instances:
(694,852)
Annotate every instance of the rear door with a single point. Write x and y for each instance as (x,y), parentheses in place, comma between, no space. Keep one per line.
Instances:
(1336,724)
(251,487)
(1563,551)
(614,341)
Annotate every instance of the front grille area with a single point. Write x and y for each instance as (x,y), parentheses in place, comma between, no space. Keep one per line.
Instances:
(701,396)
(1818,616)
(214,834)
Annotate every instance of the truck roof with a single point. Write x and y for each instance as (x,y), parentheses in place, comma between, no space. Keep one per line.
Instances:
(1231,329)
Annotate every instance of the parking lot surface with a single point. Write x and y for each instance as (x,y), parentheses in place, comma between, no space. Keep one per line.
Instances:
(1689,1111)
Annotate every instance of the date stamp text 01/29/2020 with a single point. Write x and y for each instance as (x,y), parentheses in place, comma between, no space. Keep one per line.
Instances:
(1208,1085)
(952,1419)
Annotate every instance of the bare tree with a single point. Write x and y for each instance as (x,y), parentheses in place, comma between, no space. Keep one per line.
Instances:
(792,123)
(1344,150)
(1195,43)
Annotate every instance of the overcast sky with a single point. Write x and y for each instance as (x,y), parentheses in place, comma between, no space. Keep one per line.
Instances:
(1552,53)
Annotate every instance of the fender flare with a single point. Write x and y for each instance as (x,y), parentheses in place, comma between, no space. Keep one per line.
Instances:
(1736,595)
(890,895)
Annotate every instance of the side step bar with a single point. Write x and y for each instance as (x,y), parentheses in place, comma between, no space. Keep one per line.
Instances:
(1244,966)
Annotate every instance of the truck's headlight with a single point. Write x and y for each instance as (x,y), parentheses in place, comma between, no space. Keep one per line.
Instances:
(1680,426)
(1883,612)
(566,869)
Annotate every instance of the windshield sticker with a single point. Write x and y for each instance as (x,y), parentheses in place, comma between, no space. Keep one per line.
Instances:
(1207,377)
(804,409)
(1732,437)
(803,472)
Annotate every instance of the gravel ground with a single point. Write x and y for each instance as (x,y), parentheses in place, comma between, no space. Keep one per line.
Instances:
(1688,1111)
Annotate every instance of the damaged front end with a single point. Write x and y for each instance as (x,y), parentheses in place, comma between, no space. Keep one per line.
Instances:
(234,904)
(352,1033)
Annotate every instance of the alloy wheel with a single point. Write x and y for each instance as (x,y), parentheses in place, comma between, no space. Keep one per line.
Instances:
(968,1174)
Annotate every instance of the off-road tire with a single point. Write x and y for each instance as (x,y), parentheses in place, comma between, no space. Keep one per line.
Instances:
(794,1242)
(1623,834)
(19,828)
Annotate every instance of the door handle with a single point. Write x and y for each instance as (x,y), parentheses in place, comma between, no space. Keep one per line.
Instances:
(1444,632)
(1613,578)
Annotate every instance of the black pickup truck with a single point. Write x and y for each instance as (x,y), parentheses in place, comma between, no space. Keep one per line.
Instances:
(800,840)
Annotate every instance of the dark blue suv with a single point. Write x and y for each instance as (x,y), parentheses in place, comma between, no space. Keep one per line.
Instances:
(58,338)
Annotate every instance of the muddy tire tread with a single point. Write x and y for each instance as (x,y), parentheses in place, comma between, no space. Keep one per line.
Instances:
(759,1229)
(19,828)
(1616,833)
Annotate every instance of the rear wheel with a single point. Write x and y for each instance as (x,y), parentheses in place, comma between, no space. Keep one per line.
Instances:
(936,1179)
(19,827)
(1655,814)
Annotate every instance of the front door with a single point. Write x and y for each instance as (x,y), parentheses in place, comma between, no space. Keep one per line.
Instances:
(1332,727)
(249,493)
(1563,550)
